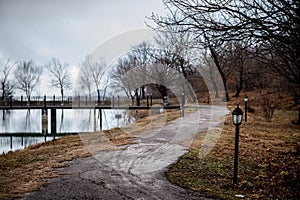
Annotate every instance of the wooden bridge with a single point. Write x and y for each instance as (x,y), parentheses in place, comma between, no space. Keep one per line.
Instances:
(85,103)
(53,105)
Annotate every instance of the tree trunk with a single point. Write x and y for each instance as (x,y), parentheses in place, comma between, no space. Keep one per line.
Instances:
(143,93)
(226,92)
(98,93)
(224,80)
(62,94)
(3,90)
(213,83)
(190,90)
(239,84)
(138,102)
(238,87)
(238,90)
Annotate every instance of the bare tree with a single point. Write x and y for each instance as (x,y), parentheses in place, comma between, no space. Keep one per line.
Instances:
(85,80)
(209,72)
(174,51)
(104,89)
(235,59)
(140,57)
(141,54)
(129,72)
(271,24)
(147,67)
(164,79)
(96,71)
(122,78)
(60,75)
(27,76)
(6,85)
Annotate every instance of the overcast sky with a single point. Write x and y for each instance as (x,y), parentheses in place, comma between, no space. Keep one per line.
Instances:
(66,29)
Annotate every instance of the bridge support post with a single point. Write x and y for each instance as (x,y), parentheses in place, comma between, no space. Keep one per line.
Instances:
(11,143)
(53,121)
(100,115)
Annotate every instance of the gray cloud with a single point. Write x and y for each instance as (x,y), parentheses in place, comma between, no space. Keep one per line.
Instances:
(69,29)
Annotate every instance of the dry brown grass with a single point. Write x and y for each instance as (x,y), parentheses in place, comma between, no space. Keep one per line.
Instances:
(269,161)
(26,170)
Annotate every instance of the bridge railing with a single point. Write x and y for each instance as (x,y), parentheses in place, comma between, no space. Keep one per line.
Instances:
(82,101)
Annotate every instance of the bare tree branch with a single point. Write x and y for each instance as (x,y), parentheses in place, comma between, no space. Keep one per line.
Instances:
(27,75)
(271,25)
(7,86)
(60,75)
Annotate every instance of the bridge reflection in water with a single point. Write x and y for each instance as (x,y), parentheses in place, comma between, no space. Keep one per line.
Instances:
(21,128)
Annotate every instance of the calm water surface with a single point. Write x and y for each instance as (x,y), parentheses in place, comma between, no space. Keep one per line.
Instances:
(22,128)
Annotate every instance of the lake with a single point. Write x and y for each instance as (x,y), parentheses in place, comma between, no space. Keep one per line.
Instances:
(22,128)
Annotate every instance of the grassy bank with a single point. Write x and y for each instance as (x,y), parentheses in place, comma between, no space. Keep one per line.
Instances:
(269,153)
(268,157)
(26,170)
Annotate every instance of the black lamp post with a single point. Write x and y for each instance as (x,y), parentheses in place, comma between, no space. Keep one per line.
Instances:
(237,118)
(246,107)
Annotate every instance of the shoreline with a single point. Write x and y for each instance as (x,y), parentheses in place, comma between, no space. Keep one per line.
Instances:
(26,170)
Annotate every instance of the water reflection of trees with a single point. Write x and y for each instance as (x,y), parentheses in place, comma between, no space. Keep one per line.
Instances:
(88,124)
(70,121)
(5,119)
(20,121)
(61,127)
(27,121)
(30,121)
(93,118)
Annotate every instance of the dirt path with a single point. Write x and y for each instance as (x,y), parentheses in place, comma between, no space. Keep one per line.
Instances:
(137,170)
